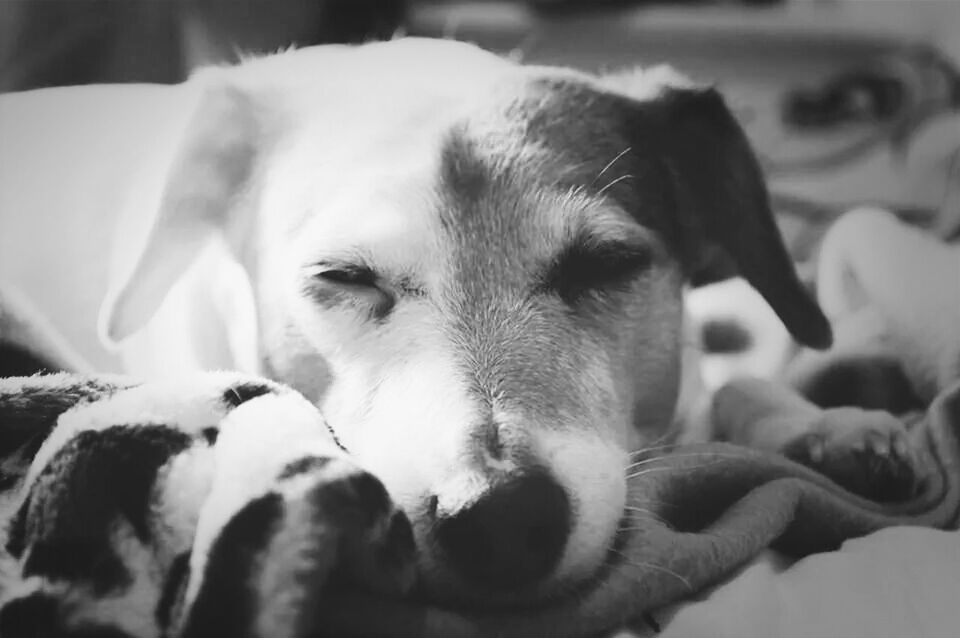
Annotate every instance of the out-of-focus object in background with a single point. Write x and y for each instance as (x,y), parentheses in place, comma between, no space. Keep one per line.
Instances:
(59,42)
(893,98)
(899,116)
(216,30)
(848,102)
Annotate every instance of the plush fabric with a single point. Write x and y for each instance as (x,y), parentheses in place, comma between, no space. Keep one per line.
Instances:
(704,511)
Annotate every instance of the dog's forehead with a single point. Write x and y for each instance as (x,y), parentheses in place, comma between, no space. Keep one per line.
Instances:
(527,163)
(541,162)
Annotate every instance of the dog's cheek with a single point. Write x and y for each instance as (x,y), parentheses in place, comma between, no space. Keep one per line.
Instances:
(590,468)
(646,358)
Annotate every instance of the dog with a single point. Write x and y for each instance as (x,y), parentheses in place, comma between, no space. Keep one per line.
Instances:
(475,269)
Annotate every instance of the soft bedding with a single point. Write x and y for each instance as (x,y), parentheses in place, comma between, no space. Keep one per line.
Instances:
(892,292)
(901,581)
(717,526)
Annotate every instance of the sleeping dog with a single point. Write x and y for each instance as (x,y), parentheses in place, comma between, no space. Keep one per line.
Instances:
(473,268)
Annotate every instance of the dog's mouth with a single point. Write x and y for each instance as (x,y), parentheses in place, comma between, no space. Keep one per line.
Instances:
(438,582)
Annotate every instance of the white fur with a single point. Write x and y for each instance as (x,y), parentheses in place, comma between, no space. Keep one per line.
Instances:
(591,469)
(345,143)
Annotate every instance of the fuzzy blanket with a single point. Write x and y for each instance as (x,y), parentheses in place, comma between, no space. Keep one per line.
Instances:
(706,509)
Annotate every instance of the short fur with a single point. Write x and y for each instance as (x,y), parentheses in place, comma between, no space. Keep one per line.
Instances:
(460,260)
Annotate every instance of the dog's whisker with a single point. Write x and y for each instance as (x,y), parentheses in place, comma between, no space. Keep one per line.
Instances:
(659,457)
(640,528)
(666,570)
(610,164)
(629,560)
(648,471)
(636,475)
(653,448)
(613,183)
(655,444)
(680,455)
(646,512)
(657,503)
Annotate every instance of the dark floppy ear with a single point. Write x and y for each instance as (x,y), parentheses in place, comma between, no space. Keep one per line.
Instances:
(721,200)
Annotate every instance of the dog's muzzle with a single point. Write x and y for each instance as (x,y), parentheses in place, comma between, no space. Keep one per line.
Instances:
(511,536)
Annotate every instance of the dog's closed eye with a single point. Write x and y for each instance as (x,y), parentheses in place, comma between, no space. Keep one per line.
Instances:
(332,284)
(349,275)
(588,267)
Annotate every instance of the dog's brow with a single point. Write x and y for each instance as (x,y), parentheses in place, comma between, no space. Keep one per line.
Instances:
(605,257)
(613,248)
(348,262)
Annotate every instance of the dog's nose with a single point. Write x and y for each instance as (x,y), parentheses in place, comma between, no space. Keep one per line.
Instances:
(511,536)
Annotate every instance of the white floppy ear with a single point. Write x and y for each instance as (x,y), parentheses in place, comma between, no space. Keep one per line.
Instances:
(202,199)
(207,321)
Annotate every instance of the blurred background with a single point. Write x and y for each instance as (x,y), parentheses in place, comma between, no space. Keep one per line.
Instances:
(848,102)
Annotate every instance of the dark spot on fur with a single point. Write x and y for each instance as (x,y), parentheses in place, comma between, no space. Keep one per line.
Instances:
(91,560)
(8,479)
(462,171)
(210,435)
(238,394)
(97,480)
(725,337)
(174,586)
(228,602)
(32,616)
(303,465)
(504,331)
(17,530)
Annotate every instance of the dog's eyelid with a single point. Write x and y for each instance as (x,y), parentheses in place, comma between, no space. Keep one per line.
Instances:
(596,265)
(611,257)
(625,252)
(345,273)
(352,277)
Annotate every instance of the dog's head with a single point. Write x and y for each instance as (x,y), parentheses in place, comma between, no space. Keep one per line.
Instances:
(474,268)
